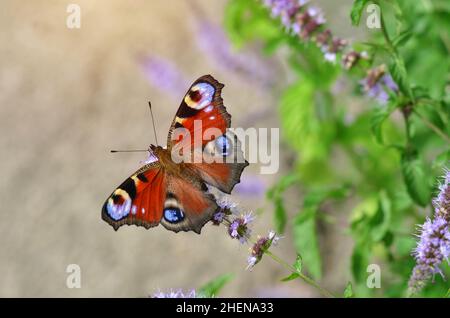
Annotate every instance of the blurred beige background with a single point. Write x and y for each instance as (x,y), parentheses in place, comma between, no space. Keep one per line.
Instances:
(67,97)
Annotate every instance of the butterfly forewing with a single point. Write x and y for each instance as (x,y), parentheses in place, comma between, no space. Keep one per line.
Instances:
(138,200)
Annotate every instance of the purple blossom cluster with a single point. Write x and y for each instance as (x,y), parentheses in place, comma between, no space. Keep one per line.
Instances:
(176,294)
(239,227)
(260,247)
(442,200)
(307,22)
(238,224)
(379,84)
(434,243)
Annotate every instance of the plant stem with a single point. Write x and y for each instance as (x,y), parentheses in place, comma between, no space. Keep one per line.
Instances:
(305,278)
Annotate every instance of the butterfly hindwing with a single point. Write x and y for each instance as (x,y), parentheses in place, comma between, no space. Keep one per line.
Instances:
(223,162)
(138,200)
(188,205)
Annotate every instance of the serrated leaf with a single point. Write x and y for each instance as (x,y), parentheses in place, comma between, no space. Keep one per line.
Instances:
(212,288)
(403,38)
(400,76)
(306,242)
(416,178)
(379,115)
(290,277)
(348,291)
(357,11)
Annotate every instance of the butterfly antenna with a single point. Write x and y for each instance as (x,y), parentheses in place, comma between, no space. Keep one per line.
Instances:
(131,150)
(153,121)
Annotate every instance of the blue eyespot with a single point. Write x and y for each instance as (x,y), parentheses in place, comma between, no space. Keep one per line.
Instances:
(223,144)
(207,92)
(173,215)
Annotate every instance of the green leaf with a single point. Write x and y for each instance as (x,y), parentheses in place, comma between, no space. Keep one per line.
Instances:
(247,20)
(316,196)
(357,11)
(403,38)
(280,216)
(380,114)
(298,263)
(400,76)
(212,288)
(416,178)
(348,291)
(306,243)
(302,129)
(360,260)
(290,277)
(275,194)
(380,223)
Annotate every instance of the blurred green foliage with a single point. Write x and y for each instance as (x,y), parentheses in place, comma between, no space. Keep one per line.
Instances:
(389,155)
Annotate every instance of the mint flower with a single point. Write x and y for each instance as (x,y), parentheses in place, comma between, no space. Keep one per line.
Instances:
(239,228)
(434,244)
(377,84)
(260,247)
(442,200)
(307,22)
(176,294)
(226,208)
(351,58)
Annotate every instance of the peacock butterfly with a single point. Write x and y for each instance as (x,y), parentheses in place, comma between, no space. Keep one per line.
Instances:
(174,193)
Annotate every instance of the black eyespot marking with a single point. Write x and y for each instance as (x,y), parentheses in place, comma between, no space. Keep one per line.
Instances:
(129,187)
(173,215)
(185,111)
(195,96)
(170,195)
(117,199)
(142,177)
(204,187)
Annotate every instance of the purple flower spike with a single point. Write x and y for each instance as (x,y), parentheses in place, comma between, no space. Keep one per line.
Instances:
(434,245)
(239,228)
(306,22)
(378,84)
(176,294)
(260,247)
(442,200)
(226,208)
